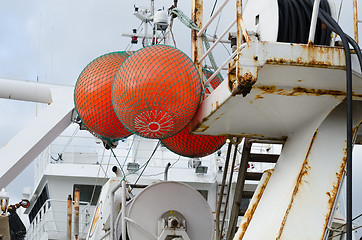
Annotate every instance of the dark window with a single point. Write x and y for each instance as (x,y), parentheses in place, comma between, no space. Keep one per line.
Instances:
(204,193)
(44,195)
(86,192)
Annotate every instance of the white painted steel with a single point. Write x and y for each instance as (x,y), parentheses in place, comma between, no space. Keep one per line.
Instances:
(253,204)
(313,23)
(298,199)
(25,91)
(267,13)
(123,220)
(22,149)
(216,13)
(277,114)
(170,196)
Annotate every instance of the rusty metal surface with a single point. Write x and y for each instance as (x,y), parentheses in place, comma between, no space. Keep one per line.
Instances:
(69,217)
(355,20)
(76,213)
(299,198)
(196,42)
(240,25)
(253,204)
(291,84)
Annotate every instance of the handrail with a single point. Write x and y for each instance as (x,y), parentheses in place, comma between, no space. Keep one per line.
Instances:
(224,64)
(217,41)
(221,7)
(40,220)
(313,23)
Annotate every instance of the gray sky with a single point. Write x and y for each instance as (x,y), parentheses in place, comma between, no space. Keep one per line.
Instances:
(52,41)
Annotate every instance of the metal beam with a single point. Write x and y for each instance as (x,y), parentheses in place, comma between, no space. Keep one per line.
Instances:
(24,147)
(245,157)
(196,42)
(302,192)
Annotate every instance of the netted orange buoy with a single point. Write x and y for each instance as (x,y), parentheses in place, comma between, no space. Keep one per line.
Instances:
(156,91)
(192,145)
(213,83)
(92,96)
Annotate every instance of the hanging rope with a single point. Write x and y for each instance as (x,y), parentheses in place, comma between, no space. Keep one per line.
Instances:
(192,25)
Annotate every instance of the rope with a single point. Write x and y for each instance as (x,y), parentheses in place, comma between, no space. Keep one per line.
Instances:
(192,25)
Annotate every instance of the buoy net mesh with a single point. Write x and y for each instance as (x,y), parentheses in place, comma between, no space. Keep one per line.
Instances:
(192,145)
(92,96)
(156,91)
(213,83)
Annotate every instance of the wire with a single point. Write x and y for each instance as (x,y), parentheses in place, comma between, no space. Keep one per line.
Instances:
(145,165)
(156,174)
(120,166)
(129,150)
(213,8)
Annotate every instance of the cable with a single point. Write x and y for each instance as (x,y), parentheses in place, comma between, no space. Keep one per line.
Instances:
(294,22)
(145,166)
(213,8)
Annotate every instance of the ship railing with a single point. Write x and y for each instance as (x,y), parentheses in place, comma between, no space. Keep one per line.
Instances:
(96,155)
(45,223)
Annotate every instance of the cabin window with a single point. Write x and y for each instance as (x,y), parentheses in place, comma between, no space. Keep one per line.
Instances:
(43,197)
(86,192)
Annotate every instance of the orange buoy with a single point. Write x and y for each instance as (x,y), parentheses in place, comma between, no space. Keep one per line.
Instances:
(192,145)
(213,83)
(92,96)
(156,91)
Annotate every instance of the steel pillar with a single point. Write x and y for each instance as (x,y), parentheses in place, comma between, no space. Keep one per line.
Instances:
(298,201)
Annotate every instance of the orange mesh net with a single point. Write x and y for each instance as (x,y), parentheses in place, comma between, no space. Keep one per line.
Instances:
(192,145)
(156,91)
(92,96)
(213,83)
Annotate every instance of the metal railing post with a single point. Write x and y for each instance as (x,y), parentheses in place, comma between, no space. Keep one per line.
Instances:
(313,22)
(196,42)
(355,20)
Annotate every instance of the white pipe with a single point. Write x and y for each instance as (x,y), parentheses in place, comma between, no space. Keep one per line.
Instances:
(223,65)
(25,91)
(217,41)
(123,216)
(114,189)
(202,30)
(313,23)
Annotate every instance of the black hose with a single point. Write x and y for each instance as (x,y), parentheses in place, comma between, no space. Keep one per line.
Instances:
(325,25)
(294,23)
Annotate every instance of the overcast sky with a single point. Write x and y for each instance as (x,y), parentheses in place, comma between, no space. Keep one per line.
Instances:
(53,40)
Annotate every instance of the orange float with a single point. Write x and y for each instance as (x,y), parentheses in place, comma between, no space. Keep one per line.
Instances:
(213,83)
(156,91)
(92,96)
(192,145)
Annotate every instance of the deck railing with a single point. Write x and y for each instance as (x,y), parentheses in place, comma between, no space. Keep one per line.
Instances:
(50,221)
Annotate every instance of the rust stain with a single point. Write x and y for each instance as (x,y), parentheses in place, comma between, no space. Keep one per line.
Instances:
(217,104)
(313,53)
(333,193)
(244,84)
(202,128)
(298,91)
(259,96)
(251,210)
(304,171)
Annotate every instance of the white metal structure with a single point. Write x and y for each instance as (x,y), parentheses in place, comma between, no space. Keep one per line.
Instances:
(41,131)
